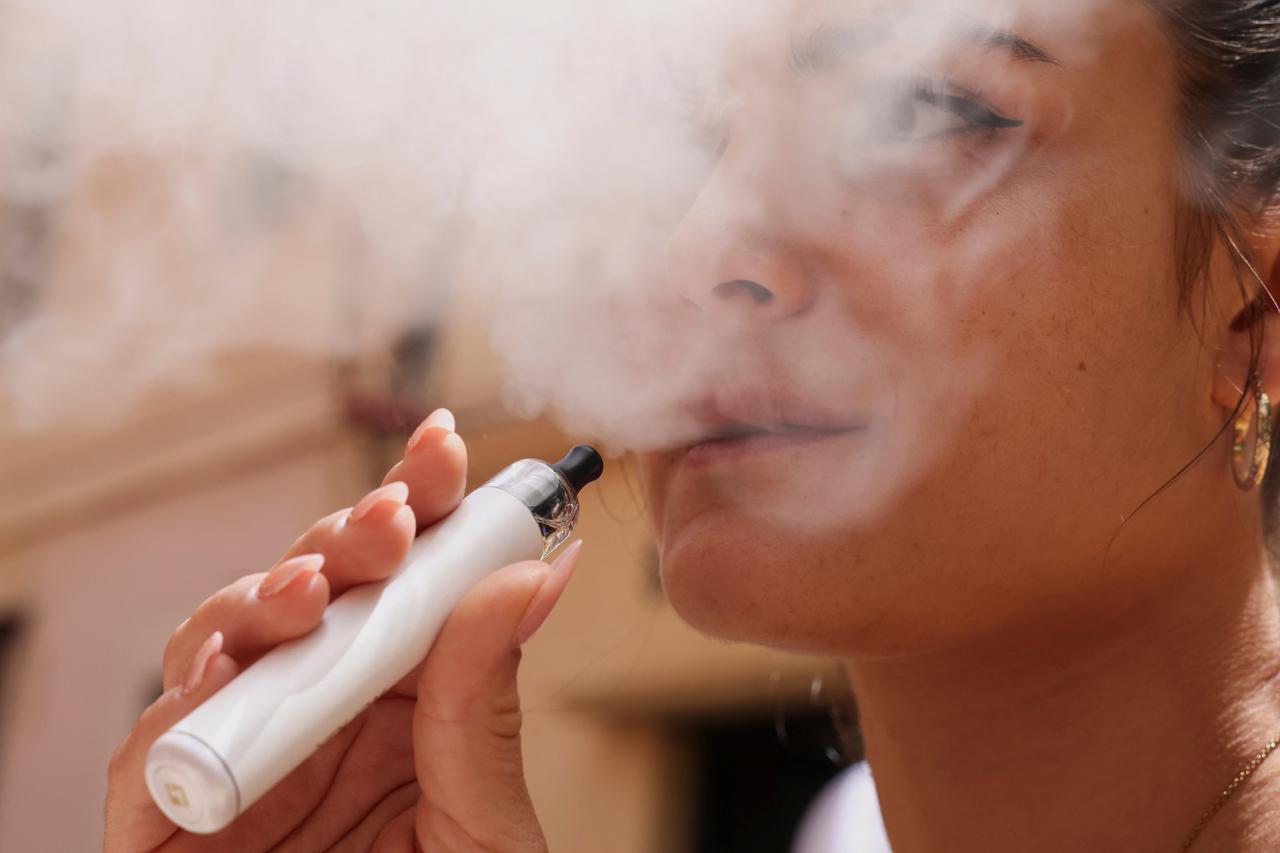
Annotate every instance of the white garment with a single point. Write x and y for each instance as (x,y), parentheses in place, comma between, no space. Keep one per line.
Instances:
(845,817)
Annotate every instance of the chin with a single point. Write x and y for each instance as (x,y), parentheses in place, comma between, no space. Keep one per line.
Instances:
(832,594)
(746,583)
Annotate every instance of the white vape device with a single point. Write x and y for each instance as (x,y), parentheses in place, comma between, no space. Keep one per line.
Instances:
(218,760)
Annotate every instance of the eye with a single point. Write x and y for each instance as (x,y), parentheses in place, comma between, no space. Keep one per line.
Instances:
(928,111)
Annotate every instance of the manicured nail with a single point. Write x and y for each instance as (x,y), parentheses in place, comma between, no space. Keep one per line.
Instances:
(396,493)
(287,572)
(195,673)
(552,588)
(439,419)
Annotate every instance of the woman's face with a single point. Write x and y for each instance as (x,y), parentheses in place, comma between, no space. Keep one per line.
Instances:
(942,242)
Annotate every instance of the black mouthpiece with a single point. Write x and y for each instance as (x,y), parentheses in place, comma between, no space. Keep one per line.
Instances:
(582,467)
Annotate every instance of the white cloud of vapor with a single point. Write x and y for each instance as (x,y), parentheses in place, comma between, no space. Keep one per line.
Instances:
(182,179)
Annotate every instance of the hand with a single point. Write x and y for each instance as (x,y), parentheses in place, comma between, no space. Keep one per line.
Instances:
(435,763)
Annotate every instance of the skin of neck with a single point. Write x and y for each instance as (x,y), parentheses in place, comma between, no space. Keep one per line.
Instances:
(1116,736)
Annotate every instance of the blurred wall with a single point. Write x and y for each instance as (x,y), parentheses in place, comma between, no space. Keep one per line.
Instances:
(103,601)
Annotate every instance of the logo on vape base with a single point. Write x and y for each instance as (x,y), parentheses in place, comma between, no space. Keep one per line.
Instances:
(177,795)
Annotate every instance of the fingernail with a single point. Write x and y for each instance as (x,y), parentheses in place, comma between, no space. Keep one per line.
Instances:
(284,574)
(552,588)
(439,419)
(396,493)
(195,673)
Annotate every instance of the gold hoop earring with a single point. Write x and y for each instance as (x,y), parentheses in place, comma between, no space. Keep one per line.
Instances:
(1250,468)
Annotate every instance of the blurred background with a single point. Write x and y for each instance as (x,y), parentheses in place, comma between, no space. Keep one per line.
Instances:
(642,736)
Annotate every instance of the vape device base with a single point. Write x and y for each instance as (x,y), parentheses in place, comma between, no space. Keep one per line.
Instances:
(191,784)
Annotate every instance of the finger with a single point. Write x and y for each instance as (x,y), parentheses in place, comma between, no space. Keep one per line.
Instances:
(365,543)
(324,799)
(467,719)
(254,615)
(370,541)
(396,835)
(434,468)
(133,821)
(376,767)
(258,612)
(389,827)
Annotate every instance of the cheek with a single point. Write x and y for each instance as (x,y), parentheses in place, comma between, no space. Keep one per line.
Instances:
(1042,365)
(1058,289)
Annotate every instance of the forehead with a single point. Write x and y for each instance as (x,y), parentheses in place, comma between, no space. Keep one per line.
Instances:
(1074,32)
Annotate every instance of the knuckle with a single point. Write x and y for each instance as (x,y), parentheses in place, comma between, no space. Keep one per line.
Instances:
(147,721)
(213,614)
(174,642)
(506,722)
(438,829)
(119,759)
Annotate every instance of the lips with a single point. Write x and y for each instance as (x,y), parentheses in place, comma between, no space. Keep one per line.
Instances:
(738,422)
(762,408)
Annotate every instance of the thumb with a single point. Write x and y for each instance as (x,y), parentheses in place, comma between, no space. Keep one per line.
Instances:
(466,725)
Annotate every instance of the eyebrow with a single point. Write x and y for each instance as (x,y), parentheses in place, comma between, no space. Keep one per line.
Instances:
(825,46)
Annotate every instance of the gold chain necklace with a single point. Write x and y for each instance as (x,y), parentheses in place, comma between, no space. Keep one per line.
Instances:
(1244,774)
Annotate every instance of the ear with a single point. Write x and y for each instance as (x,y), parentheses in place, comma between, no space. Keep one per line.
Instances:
(1260,317)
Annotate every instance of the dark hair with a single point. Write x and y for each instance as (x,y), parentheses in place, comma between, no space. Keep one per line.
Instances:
(1229,60)
(1230,75)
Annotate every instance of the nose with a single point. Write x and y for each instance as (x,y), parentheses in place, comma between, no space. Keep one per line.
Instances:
(735,256)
